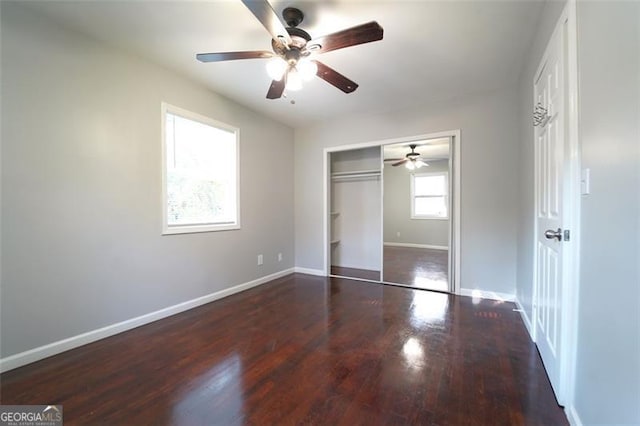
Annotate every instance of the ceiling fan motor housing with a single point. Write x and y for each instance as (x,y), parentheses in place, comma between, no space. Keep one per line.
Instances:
(413,154)
(292,16)
(299,37)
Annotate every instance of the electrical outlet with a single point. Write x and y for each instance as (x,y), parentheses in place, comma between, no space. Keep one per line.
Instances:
(260,260)
(279,257)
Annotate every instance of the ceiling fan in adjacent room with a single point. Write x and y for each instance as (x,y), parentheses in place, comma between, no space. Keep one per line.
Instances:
(412,160)
(292,59)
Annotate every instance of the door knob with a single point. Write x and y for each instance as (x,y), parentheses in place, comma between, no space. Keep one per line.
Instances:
(550,234)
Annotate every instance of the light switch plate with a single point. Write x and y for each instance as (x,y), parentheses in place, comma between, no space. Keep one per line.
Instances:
(585,182)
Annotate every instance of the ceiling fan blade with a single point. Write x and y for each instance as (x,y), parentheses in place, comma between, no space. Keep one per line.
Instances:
(388,160)
(400,162)
(365,33)
(276,89)
(262,10)
(232,56)
(334,78)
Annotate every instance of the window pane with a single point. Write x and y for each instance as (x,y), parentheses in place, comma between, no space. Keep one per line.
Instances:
(430,185)
(201,173)
(430,206)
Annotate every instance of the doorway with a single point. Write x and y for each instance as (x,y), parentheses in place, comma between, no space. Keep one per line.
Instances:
(556,209)
(365,163)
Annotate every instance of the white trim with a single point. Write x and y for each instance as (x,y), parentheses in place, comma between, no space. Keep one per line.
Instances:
(454,225)
(45,351)
(348,147)
(381,166)
(569,330)
(491,295)
(454,182)
(412,245)
(572,416)
(194,228)
(326,209)
(525,317)
(309,271)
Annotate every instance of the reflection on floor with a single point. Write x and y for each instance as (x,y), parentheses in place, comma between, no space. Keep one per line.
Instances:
(365,274)
(418,267)
(305,350)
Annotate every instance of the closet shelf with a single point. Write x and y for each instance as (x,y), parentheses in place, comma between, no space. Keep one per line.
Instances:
(355,174)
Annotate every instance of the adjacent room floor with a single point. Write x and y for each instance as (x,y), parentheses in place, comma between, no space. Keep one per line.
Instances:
(417,267)
(309,350)
(364,274)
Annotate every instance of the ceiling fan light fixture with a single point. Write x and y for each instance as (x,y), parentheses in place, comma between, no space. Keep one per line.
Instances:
(276,68)
(292,46)
(294,80)
(307,69)
(420,163)
(410,165)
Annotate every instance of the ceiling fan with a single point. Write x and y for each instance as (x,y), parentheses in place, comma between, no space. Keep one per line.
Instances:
(412,160)
(293,49)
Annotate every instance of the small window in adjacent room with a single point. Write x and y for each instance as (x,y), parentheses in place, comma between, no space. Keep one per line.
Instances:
(430,195)
(200,173)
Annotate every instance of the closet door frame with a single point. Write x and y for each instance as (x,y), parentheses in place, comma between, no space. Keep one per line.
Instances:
(454,237)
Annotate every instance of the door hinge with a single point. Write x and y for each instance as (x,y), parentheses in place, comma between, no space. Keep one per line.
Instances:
(567,235)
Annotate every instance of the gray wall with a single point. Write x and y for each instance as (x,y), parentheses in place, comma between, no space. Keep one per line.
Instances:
(608,356)
(489,179)
(397,209)
(81,188)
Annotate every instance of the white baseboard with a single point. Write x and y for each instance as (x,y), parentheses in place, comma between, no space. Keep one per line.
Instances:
(572,416)
(36,354)
(525,317)
(309,271)
(492,295)
(412,245)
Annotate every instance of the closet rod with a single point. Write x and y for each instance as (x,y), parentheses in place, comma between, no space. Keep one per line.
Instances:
(356,177)
(357,174)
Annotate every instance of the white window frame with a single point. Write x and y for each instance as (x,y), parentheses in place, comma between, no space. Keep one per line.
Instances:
(188,229)
(413,196)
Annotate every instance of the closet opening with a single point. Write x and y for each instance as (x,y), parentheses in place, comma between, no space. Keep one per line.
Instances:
(392,211)
(355,201)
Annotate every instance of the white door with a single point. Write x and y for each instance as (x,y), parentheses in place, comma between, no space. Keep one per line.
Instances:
(550,138)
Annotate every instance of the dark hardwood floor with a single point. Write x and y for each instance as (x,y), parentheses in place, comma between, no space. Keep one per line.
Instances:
(365,274)
(305,350)
(417,267)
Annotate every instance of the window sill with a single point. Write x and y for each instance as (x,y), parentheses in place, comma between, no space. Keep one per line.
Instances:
(194,229)
(429,218)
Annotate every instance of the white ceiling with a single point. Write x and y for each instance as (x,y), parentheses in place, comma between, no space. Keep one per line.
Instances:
(432,149)
(431,51)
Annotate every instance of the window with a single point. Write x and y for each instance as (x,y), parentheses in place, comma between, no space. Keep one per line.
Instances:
(430,195)
(200,173)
